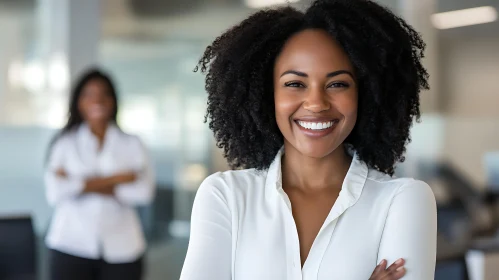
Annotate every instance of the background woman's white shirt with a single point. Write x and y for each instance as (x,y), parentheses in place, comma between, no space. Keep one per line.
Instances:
(92,225)
(242,228)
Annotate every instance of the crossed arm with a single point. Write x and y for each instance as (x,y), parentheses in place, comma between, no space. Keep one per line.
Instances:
(134,188)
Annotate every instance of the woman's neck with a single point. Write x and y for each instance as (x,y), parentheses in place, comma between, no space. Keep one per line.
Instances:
(310,173)
(99,131)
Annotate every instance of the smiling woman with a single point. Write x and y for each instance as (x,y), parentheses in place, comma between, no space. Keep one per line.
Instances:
(317,107)
(96,175)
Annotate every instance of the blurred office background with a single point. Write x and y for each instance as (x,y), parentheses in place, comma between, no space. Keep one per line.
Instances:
(151,48)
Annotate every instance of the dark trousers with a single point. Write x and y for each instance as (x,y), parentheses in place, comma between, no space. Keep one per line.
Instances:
(68,267)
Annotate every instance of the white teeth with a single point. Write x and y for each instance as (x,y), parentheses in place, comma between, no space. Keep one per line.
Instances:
(316,125)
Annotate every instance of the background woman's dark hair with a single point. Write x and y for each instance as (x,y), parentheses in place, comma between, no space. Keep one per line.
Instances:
(74,115)
(384,50)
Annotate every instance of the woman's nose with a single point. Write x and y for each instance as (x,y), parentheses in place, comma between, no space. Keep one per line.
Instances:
(316,101)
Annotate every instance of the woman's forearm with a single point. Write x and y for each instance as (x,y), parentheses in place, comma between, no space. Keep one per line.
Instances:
(103,185)
(106,185)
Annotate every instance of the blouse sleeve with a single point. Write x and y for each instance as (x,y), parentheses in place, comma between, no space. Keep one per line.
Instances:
(59,188)
(142,190)
(410,231)
(209,256)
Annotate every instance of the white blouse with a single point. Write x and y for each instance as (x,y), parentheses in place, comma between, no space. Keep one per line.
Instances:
(92,225)
(242,228)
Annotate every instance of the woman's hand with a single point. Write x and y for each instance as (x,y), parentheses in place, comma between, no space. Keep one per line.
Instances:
(125,177)
(61,173)
(393,272)
(103,186)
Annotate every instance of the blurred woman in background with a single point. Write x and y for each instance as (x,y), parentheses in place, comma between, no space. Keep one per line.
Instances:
(96,175)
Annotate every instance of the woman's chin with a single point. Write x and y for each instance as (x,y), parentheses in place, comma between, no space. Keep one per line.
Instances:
(313,150)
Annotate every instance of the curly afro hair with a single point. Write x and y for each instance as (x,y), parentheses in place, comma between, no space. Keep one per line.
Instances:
(386,54)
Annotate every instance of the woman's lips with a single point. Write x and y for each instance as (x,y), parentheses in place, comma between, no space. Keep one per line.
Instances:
(316,128)
(96,111)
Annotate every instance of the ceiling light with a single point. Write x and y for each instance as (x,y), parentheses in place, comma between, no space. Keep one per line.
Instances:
(265,3)
(464,17)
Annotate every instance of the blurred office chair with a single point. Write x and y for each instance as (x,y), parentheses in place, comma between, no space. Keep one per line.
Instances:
(156,217)
(455,269)
(455,200)
(478,204)
(451,260)
(468,218)
(17,248)
(163,209)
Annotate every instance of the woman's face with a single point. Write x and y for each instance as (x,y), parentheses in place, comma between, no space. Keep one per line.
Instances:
(96,103)
(315,93)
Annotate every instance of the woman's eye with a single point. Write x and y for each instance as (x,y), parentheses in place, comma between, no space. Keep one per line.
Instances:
(293,84)
(337,85)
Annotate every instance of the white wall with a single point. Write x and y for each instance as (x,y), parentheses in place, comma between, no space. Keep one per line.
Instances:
(470,77)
